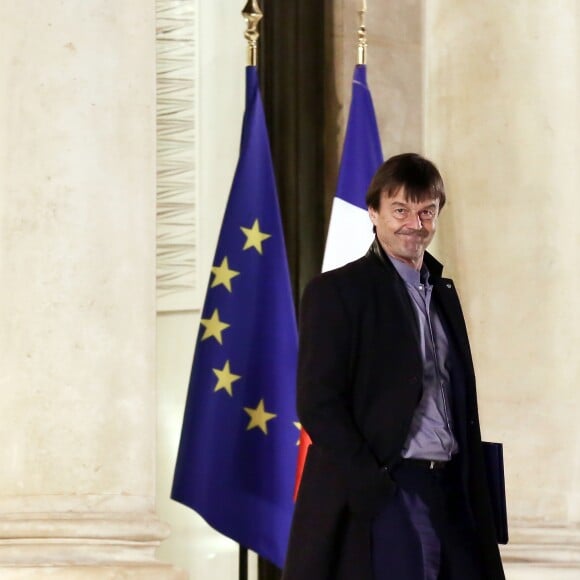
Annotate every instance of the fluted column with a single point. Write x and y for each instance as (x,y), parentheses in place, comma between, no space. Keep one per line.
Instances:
(503,122)
(77,297)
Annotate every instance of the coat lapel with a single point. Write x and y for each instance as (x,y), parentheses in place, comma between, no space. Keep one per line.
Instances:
(376,253)
(448,302)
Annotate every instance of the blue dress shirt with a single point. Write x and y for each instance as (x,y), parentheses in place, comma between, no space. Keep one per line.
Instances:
(431,433)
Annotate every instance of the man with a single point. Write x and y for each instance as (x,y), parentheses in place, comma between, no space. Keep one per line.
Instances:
(394,485)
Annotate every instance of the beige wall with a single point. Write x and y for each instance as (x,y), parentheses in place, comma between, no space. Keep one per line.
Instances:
(503,121)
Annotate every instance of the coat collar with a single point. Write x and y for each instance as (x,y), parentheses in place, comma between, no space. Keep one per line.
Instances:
(443,293)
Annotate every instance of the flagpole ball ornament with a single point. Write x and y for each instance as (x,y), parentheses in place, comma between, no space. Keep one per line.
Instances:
(362,35)
(252,15)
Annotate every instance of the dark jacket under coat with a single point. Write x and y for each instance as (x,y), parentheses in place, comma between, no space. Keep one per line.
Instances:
(359,382)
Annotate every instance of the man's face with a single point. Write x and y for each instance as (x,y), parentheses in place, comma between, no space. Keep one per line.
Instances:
(405,228)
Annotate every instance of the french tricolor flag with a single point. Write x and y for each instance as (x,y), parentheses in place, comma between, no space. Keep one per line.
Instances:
(350,231)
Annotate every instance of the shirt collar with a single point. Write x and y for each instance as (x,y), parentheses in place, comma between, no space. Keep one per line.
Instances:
(410,275)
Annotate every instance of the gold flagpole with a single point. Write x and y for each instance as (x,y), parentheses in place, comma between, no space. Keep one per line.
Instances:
(252,15)
(362,35)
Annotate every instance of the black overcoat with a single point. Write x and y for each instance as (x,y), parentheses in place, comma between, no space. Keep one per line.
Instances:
(359,382)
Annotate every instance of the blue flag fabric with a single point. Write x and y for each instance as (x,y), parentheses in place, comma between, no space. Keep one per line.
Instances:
(237,454)
(362,152)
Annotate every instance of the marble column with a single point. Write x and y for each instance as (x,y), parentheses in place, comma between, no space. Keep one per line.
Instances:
(503,121)
(77,296)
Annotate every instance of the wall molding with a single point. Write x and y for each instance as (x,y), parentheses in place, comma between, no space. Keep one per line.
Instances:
(177,155)
(543,544)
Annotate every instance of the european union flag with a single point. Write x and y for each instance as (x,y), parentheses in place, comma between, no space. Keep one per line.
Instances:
(237,454)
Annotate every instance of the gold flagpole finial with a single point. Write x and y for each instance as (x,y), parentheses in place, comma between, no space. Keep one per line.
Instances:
(362,35)
(252,15)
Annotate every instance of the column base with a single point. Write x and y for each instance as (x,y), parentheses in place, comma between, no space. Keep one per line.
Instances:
(539,572)
(542,551)
(71,546)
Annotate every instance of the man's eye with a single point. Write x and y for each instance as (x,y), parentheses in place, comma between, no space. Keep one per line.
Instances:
(400,211)
(427,214)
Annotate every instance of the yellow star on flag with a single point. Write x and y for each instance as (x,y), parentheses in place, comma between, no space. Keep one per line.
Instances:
(225,378)
(223,275)
(259,417)
(254,237)
(213,327)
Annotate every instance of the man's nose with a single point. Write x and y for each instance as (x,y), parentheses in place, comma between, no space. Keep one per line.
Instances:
(414,221)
